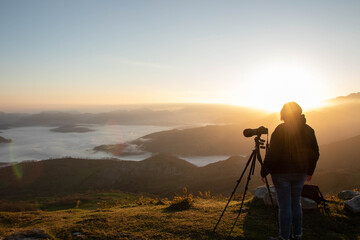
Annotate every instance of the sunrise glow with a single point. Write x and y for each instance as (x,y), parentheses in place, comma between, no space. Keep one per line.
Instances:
(239,53)
(271,85)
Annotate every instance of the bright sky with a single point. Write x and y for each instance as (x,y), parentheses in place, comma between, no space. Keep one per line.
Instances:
(252,53)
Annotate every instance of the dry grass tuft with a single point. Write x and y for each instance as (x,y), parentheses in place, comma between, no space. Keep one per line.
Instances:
(181,203)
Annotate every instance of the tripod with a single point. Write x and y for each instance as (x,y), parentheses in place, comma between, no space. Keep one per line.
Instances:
(251,162)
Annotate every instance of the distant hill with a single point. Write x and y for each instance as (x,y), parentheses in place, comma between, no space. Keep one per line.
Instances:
(72,128)
(341,154)
(350,97)
(5,140)
(162,174)
(336,122)
(202,141)
(168,114)
(339,165)
(209,140)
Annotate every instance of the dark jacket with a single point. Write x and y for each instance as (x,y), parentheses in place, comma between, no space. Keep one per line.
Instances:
(293,149)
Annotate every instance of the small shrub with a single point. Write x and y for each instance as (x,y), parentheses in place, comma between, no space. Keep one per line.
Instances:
(181,203)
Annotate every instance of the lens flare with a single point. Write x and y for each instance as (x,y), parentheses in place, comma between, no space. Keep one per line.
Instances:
(15,166)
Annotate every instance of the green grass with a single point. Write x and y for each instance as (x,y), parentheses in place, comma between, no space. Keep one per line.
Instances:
(125,216)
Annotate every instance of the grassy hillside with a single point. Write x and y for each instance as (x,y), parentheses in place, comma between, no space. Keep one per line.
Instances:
(122,216)
(162,174)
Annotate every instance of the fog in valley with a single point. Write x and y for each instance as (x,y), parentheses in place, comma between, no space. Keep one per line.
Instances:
(198,133)
(38,143)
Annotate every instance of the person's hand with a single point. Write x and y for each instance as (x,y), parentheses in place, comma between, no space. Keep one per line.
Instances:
(308,178)
(263,180)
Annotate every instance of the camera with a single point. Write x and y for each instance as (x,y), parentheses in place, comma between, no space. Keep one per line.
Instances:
(258,131)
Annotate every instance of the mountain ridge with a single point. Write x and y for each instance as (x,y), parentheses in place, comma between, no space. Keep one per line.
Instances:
(162,174)
(169,115)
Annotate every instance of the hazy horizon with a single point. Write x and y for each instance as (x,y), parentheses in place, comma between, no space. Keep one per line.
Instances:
(98,108)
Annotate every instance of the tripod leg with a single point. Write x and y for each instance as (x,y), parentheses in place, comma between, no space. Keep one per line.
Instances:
(244,194)
(272,202)
(253,154)
(268,188)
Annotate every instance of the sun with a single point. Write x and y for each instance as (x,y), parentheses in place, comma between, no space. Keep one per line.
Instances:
(269,86)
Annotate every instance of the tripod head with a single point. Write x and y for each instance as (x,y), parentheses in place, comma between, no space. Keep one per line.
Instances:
(259,142)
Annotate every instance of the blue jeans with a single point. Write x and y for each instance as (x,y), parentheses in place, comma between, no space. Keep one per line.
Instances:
(288,189)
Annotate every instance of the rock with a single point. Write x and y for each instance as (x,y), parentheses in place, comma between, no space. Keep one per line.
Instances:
(261,191)
(353,205)
(267,199)
(348,194)
(306,203)
(32,234)
(78,234)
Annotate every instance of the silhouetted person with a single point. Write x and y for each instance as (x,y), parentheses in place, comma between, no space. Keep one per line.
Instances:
(291,159)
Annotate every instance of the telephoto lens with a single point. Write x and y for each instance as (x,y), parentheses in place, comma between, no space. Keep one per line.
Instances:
(257,131)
